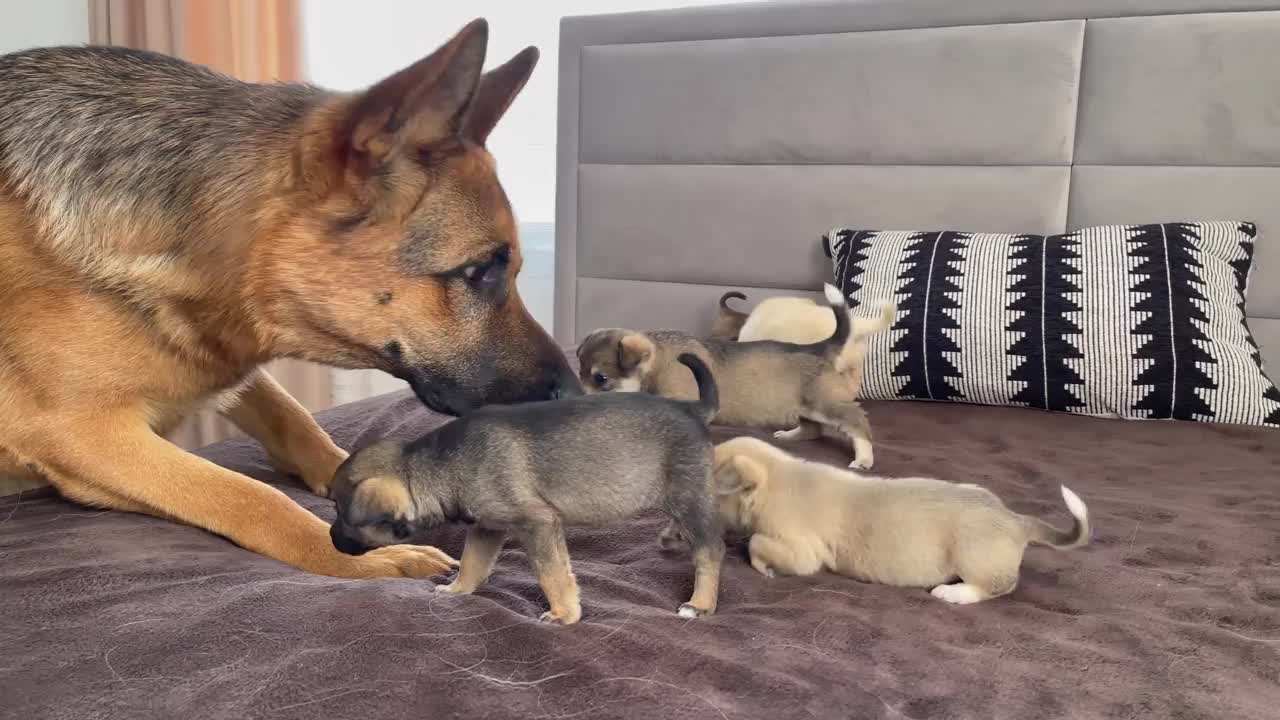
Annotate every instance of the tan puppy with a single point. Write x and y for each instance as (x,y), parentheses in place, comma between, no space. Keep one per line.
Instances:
(805,517)
(801,320)
(762,384)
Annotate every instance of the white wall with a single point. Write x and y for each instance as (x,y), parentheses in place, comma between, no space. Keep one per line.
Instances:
(349,46)
(33,23)
(348,49)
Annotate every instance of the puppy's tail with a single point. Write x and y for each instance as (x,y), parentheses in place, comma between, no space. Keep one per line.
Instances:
(729,322)
(834,345)
(1042,533)
(708,402)
(732,295)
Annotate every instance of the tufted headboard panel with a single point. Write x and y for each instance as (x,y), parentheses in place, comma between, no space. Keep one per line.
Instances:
(708,148)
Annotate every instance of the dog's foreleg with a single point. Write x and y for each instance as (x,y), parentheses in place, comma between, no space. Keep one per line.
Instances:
(115,460)
(293,439)
(478,556)
(549,556)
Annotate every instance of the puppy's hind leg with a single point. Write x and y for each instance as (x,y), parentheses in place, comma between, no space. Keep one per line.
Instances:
(708,556)
(545,546)
(771,556)
(478,555)
(804,430)
(697,522)
(986,570)
(851,420)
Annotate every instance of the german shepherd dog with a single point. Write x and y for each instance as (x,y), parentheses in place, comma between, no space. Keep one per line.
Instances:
(166,230)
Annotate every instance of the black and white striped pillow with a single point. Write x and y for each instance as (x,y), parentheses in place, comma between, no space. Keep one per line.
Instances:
(1135,321)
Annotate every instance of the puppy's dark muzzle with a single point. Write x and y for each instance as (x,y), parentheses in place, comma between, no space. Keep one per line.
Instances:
(345,544)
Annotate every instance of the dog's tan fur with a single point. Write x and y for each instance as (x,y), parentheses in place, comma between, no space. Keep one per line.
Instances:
(805,517)
(125,310)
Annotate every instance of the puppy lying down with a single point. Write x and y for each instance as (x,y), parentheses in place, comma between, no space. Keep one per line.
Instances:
(531,470)
(805,517)
(796,388)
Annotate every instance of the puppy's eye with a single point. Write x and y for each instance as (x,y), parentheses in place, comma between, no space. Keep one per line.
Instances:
(600,379)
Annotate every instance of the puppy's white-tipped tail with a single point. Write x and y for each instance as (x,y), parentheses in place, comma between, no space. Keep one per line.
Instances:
(832,293)
(1039,531)
(1075,505)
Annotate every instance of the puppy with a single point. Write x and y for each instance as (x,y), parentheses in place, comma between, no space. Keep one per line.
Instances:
(762,384)
(804,517)
(531,470)
(728,322)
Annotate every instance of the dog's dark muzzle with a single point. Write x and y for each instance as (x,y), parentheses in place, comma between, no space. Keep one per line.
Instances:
(345,544)
(443,394)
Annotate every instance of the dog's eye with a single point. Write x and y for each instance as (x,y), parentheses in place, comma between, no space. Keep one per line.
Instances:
(488,273)
(600,379)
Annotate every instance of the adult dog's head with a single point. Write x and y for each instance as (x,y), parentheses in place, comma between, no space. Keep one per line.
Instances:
(398,249)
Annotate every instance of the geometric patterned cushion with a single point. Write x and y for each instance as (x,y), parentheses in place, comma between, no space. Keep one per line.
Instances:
(1131,321)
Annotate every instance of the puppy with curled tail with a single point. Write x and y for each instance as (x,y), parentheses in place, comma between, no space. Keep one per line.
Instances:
(793,388)
(802,517)
(729,322)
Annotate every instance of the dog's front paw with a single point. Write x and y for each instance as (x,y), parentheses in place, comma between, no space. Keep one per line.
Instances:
(689,610)
(411,561)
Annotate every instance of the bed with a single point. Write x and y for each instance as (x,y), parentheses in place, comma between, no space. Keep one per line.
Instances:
(694,160)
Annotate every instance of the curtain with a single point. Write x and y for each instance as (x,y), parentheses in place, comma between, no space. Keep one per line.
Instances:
(254,40)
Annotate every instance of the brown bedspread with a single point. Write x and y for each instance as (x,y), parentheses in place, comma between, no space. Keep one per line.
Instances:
(1173,612)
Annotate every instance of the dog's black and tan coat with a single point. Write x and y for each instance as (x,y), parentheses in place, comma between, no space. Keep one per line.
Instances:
(166,230)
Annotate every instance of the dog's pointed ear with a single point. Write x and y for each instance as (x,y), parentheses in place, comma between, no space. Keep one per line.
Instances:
(745,476)
(422,104)
(498,89)
(635,351)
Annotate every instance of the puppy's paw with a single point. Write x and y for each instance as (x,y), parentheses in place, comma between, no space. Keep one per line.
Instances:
(454,588)
(957,594)
(689,610)
(862,463)
(672,539)
(555,618)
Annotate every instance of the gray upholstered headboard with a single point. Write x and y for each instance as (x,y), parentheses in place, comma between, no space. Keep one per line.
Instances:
(707,149)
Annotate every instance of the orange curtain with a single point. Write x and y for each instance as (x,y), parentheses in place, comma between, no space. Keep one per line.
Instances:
(253,40)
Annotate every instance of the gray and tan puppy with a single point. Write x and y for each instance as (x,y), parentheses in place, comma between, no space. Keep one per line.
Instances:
(805,517)
(796,388)
(530,471)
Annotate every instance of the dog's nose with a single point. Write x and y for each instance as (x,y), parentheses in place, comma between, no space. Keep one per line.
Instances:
(345,544)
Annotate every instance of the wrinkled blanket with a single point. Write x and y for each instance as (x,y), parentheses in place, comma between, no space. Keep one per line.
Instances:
(1172,612)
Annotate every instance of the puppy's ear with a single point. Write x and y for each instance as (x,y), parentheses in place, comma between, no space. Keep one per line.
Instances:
(422,104)
(744,476)
(382,495)
(635,352)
